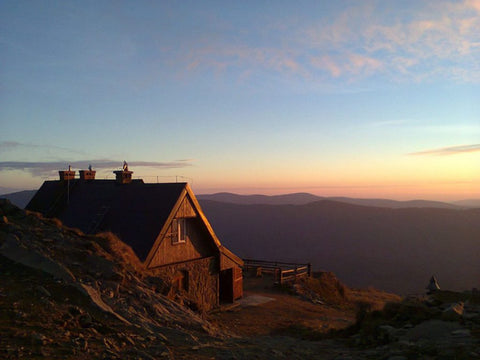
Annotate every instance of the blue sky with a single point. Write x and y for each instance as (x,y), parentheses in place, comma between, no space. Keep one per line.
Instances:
(354,98)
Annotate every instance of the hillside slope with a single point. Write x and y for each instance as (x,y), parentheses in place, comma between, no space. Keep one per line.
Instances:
(66,295)
(393,249)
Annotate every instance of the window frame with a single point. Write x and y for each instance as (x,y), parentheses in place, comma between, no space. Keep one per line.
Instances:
(179,231)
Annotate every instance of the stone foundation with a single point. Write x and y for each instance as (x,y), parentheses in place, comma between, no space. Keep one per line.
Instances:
(201,290)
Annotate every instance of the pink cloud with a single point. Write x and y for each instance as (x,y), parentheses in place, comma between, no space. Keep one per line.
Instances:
(441,39)
(450,150)
(363,64)
(473,4)
(327,63)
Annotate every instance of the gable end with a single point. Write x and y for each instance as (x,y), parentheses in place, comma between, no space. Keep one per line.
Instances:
(184,235)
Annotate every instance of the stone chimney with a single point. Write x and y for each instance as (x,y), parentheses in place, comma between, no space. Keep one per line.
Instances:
(123,176)
(87,174)
(67,174)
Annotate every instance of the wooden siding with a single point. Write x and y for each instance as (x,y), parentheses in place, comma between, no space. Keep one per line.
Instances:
(186,209)
(226,262)
(237,283)
(196,245)
(231,284)
(231,277)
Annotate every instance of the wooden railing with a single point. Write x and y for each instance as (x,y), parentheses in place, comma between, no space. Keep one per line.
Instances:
(283,272)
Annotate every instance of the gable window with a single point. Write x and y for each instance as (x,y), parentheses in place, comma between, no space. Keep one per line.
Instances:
(179,231)
(182,230)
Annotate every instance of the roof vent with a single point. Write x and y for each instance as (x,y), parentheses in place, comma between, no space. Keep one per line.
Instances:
(67,174)
(123,176)
(87,174)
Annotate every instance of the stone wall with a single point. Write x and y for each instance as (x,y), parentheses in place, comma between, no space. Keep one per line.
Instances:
(201,292)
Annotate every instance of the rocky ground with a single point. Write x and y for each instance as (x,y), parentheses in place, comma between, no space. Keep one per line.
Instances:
(64,295)
(424,327)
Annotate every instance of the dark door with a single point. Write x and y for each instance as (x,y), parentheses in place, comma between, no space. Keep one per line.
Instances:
(226,285)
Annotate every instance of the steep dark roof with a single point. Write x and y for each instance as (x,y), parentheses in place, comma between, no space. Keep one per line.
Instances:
(136,212)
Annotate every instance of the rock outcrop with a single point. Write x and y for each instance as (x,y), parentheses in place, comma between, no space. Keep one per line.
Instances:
(428,326)
(433,285)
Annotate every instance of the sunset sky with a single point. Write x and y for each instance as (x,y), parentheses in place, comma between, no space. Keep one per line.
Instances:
(336,98)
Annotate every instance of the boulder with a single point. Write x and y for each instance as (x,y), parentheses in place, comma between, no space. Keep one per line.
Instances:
(453,312)
(14,250)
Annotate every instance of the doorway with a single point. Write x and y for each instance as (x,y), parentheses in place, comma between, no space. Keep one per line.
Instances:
(226,285)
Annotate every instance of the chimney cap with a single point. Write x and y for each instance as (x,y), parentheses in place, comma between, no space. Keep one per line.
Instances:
(67,174)
(123,176)
(87,174)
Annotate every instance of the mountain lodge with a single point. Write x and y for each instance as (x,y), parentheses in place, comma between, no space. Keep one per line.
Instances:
(163,224)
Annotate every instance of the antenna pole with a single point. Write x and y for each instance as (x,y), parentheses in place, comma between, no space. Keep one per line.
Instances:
(68,190)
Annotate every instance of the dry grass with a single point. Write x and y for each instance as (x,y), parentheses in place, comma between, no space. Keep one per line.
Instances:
(328,288)
(376,299)
(296,313)
(54,222)
(117,248)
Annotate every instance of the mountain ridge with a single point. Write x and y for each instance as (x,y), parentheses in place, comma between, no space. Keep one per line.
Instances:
(21,199)
(396,249)
(305,198)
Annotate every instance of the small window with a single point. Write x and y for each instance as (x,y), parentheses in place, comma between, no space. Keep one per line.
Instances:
(180,281)
(182,230)
(179,231)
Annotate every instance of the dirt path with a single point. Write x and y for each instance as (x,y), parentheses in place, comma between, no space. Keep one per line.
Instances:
(285,311)
(288,313)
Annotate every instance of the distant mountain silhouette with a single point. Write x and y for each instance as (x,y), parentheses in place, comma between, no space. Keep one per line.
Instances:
(293,199)
(394,204)
(472,203)
(6,190)
(20,198)
(392,249)
(306,198)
